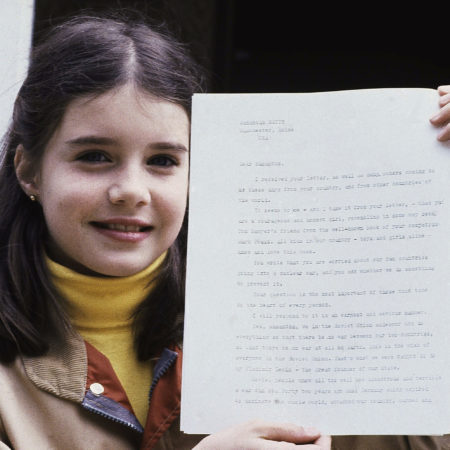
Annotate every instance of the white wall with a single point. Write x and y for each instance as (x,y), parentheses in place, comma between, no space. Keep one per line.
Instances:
(16,24)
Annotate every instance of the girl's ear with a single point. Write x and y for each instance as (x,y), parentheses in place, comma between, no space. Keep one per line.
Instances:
(25,172)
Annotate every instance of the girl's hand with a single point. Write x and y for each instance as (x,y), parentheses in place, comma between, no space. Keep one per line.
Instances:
(260,435)
(442,118)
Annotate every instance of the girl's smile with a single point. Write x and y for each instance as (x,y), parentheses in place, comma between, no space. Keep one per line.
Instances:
(113,182)
(124,229)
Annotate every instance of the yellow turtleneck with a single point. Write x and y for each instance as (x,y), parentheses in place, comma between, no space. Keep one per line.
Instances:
(101,308)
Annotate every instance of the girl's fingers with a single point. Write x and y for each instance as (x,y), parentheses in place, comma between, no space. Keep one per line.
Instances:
(442,117)
(293,436)
(324,442)
(444,134)
(288,433)
(271,445)
(442,90)
(444,99)
(262,435)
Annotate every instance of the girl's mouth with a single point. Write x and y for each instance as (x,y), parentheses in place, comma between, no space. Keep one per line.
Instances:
(126,232)
(120,227)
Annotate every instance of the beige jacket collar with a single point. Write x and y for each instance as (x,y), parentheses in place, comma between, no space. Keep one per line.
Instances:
(63,370)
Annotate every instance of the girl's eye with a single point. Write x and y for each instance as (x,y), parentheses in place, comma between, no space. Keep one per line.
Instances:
(162,161)
(93,157)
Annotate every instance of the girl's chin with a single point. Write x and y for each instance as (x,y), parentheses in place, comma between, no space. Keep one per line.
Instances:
(115,269)
(99,261)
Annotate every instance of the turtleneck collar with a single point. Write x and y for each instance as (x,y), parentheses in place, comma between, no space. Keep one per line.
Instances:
(102,302)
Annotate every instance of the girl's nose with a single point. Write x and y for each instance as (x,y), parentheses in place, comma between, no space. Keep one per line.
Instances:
(129,189)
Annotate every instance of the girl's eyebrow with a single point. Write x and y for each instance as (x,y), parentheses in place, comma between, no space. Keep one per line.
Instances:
(168,146)
(100,140)
(91,140)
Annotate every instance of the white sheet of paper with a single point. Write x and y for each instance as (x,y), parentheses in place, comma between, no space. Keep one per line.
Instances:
(318,263)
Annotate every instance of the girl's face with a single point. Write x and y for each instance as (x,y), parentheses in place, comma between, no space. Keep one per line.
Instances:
(113,182)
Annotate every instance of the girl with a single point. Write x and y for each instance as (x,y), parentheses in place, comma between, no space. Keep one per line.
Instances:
(93,193)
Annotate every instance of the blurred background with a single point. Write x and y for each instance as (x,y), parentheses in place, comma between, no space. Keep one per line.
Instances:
(294,46)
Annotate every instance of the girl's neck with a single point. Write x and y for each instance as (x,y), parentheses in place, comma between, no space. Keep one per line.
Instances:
(103,302)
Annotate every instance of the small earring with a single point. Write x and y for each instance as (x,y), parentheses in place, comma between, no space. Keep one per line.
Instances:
(32,198)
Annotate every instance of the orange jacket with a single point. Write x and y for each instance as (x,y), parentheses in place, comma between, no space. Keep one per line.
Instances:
(71,398)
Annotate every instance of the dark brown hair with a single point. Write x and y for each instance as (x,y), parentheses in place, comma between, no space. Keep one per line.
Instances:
(85,55)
